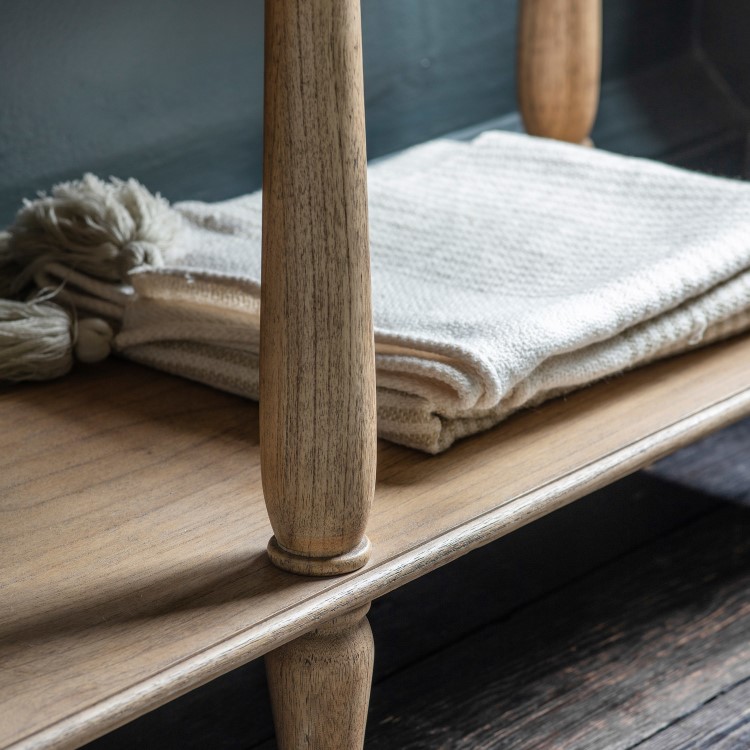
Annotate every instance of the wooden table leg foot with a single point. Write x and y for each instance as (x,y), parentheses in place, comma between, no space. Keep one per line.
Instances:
(319,566)
(320,685)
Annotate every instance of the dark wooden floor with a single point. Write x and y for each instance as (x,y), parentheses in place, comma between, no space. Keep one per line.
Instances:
(622,621)
(649,651)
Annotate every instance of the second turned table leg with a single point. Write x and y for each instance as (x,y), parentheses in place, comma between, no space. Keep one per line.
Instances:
(320,685)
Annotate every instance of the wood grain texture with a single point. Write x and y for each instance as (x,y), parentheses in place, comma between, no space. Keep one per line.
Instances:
(133,533)
(722,723)
(435,611)
(320,685)
(559,67)
(317,371)
(634,655)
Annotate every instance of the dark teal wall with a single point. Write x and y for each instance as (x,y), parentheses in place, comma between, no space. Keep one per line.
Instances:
(170,90)
(725,35)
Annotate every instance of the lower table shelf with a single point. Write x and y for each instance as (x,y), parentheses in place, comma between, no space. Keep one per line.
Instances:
(133,533)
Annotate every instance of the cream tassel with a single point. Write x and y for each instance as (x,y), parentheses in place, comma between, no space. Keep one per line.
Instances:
(100,230)
(93,340)
(38,338)
(35,341)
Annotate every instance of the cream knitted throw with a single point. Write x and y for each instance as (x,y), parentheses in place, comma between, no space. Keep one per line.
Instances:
(505,271)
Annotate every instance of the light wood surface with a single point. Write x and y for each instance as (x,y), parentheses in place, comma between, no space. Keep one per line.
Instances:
(317,374)
(320,685)
(559,67)
(133,528)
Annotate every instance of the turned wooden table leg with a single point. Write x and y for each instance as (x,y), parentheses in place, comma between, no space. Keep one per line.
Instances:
(320,685)
(317,360)
(559,67)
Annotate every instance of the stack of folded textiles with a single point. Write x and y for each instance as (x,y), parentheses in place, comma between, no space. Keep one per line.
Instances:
(506,271)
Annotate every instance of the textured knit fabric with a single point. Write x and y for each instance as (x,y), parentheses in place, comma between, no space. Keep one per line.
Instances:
(505,271)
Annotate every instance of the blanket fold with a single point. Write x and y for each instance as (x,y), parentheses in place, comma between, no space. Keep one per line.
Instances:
(506,271)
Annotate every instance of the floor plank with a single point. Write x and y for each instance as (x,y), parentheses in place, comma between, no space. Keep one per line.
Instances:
(721,724)
(607,663)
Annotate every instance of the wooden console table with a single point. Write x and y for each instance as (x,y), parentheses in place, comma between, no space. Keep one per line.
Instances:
(133,526)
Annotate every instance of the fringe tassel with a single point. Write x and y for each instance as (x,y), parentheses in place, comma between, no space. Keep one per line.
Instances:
(38,338)
(35,341)
(98,229)
(101,229)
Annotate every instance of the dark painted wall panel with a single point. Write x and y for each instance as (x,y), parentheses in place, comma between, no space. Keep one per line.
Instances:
(435,66)
(85,82)
(171,91)
(642,33)
(724,33)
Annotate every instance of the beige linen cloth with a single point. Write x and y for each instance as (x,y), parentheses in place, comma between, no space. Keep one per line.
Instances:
(506,270)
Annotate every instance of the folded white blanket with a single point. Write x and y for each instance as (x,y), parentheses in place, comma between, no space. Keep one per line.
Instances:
(505,271)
